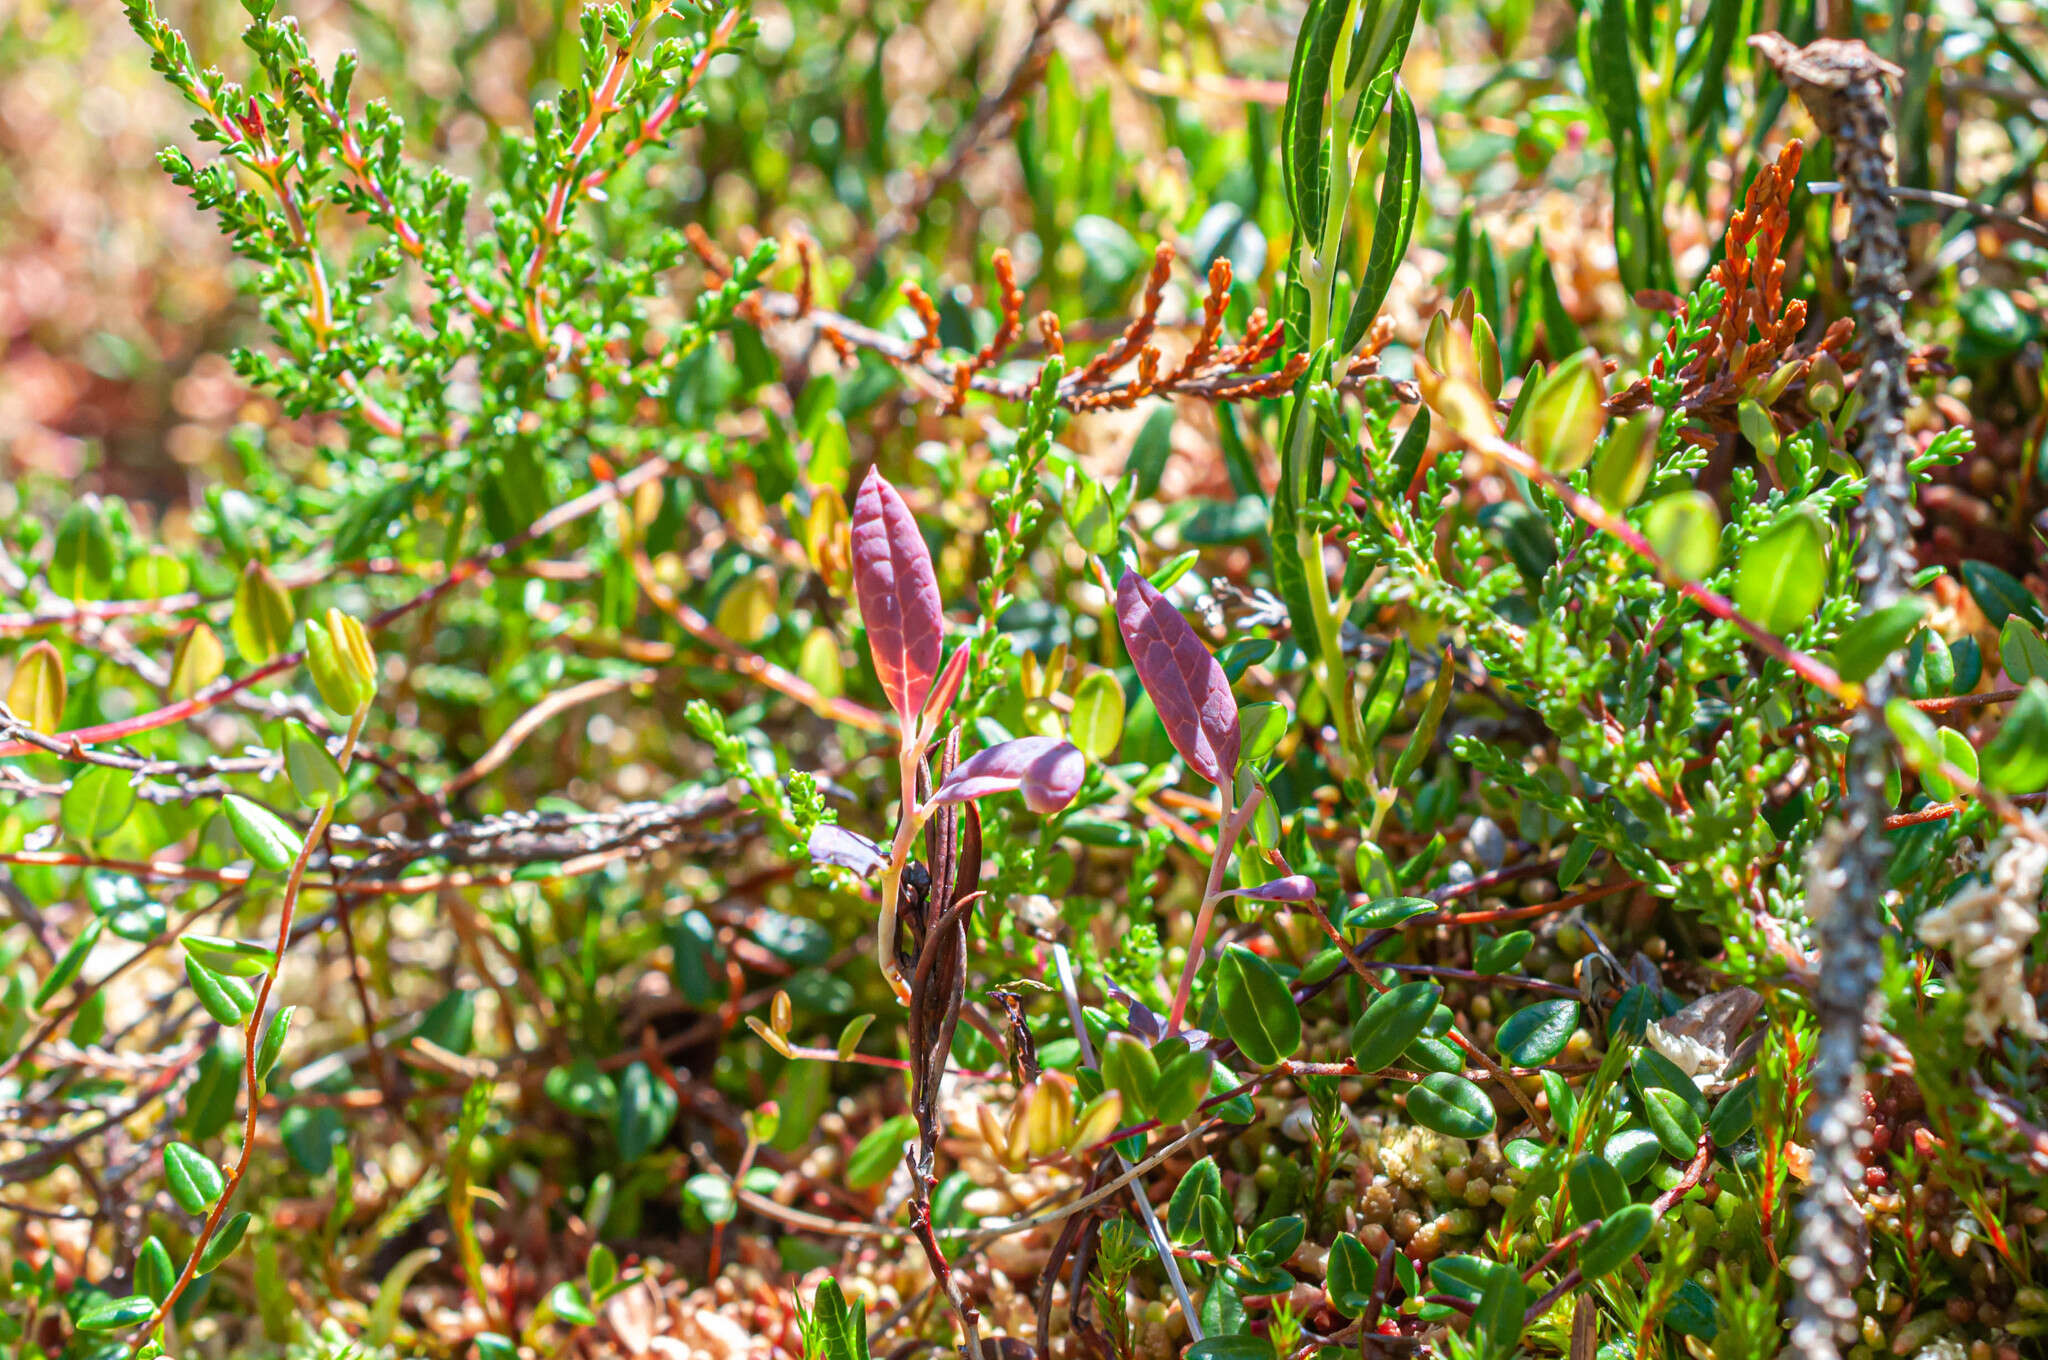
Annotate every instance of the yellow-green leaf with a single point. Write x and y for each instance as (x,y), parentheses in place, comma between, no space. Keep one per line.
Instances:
(36,694)
(1685,530)
(262,623)
(199,662)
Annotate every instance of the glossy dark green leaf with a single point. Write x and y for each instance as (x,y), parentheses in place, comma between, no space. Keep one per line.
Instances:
(1258,1011)
(1497,1317)
(1238,1346)
(1382,912)
(1632,1151)
(1183,1220)
(1597,1189)
(2022,651)
(1651,1070)
(1673,1121)
(1449,1104)
(1351,1274)
(1394,1020)
(155,1272)
(227,999)
(1999,595)
(1734,1113)
(2016,759)
(1497,954)
(1183,1084)
(68,963)
(1128,1066)
(1537,1033)
(113,1314)
(274,1035)
(876,1157)
(1620,1235)
(645,1111)
(243,958)
(224,1242)
(195,1182)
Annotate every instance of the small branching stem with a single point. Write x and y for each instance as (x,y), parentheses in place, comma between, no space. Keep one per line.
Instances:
(252,1040)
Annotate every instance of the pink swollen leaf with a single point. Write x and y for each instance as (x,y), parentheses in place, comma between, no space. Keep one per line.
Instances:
(1047,769)
(1293,888)
(899,596)
(1187,686)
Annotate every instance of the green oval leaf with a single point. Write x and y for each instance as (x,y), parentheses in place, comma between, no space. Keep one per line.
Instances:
(876,1156)
(68,963)
(1183,1215)
(315,775)
(2022,651)
(1672,1120)
(1536,1034)
(1866,643)
(267,837)
(1621,1235)
(1097,723)
(96,804)
(1734,1113)
(224,1242)
(1783,572)
(1351,1274)
(1685,530)
(1492,955)
(1395,1019)
(1128,1066)
(2016,760)
(1258,1011)
(1597,1188)
(226,999)
(195,1182)
(113,1314)
(1566,414)
(155,1272)
(1447,1103)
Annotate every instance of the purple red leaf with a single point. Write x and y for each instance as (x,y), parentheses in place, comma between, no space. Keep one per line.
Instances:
(1047,769)
(899,596)
(836,845)
(1051,781)
(1187,685)
(948,687)
(1293,888)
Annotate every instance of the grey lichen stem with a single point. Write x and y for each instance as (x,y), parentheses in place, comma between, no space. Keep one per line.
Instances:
(1844,86)
(1157,1231)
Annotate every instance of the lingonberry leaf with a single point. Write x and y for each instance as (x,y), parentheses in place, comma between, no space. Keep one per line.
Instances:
(899,596)
(1045,769)
(1187,685)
